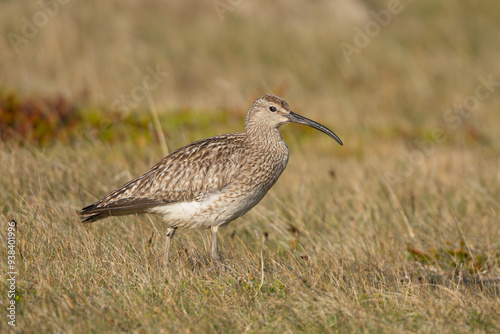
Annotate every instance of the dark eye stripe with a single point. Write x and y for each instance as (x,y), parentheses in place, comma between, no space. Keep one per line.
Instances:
(272,108)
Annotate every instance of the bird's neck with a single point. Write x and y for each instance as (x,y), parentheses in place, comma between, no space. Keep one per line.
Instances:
(267,139)
(263,136)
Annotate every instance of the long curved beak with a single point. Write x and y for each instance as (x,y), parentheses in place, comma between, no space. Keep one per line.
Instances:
(295,118)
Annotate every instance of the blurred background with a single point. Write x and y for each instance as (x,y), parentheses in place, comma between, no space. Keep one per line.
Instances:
(407,69)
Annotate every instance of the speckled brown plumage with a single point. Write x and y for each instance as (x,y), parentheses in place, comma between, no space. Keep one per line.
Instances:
(211,182)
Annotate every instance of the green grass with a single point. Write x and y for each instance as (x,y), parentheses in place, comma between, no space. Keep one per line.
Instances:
(395,232)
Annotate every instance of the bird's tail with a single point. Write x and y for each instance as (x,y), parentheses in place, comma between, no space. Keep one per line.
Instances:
(124,206)
(92,213)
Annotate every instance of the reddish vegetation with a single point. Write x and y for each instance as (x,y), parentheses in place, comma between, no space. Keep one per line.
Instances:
(36,120)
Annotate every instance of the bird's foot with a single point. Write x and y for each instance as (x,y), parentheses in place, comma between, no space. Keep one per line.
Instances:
(217,260)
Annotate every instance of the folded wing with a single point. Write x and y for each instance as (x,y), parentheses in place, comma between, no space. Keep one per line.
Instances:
(190,173)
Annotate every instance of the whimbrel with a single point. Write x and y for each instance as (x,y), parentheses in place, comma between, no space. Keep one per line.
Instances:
(213,181)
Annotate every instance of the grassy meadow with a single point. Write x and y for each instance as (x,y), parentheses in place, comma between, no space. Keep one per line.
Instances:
(398,231)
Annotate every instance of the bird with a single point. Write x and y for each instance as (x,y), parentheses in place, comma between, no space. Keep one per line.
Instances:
(209,183)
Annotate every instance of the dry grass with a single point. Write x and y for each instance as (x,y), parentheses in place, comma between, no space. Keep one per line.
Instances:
(395,232)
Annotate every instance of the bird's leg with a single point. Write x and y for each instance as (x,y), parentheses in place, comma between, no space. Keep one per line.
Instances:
(170,235)
(215,252)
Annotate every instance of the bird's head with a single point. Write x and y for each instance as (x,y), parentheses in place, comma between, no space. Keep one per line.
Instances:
(270,111)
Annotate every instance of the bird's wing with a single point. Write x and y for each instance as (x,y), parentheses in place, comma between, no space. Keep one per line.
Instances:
(188,174)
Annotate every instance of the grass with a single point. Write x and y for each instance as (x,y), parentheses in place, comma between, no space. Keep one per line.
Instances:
(396,232)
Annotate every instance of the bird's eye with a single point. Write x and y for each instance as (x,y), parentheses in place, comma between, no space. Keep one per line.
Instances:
(272,108)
